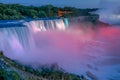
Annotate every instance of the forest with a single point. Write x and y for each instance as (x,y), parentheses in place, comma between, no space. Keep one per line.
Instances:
(17,11)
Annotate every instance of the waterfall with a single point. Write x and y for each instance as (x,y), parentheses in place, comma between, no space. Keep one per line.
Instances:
(48,24)
(10,35)
(20,31)
(95,52)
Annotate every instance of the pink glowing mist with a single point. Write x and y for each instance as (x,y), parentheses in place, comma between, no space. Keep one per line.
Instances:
(76,51)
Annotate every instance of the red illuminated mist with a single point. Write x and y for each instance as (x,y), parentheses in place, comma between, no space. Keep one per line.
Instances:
(76,51)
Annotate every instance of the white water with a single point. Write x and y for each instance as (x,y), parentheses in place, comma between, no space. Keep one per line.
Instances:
(45,25)
(76,51)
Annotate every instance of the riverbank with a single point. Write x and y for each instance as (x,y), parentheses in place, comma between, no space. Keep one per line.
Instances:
(10,69)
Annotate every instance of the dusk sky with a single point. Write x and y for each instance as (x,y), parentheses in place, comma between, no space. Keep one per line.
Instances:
(61,3)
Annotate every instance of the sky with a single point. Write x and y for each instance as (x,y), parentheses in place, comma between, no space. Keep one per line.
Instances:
(60,3)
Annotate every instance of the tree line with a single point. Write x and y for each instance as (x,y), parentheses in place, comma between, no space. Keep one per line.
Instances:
(17,11)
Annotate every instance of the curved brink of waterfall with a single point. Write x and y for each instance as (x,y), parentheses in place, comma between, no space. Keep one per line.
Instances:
(10,30)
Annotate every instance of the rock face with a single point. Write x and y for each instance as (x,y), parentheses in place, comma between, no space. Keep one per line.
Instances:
(11,70)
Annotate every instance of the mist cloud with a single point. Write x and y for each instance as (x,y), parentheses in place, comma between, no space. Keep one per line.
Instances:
(109,11)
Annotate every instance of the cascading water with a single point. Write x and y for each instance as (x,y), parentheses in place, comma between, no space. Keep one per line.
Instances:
(22,33)
(45,25)
(94,53)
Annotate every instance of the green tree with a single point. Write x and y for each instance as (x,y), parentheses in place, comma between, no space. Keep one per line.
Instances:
(42,14)
(14,75)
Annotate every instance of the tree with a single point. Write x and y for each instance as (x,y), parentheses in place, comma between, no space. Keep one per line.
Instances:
(42,14)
